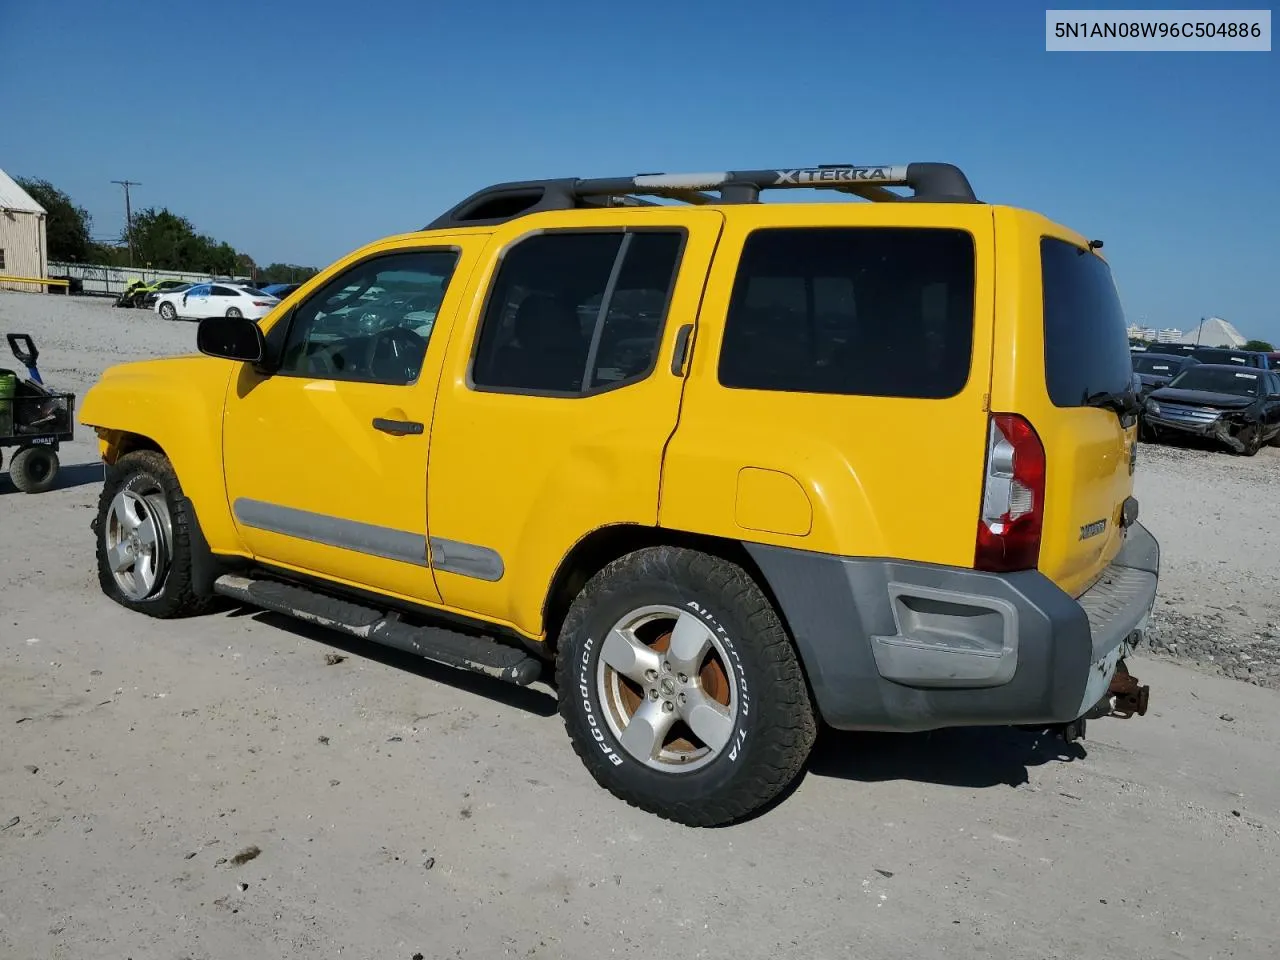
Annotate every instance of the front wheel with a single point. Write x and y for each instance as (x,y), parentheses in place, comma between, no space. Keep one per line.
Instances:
(1254,443)
(144,540)
(680,689)
(167,311)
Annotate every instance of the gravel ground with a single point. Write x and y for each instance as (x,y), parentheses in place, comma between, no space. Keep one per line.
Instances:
(1214,515)
(215,787)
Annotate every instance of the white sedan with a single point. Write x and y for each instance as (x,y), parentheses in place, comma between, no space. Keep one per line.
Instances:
(215,300)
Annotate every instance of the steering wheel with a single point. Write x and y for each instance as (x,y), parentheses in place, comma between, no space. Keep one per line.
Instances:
(397,353)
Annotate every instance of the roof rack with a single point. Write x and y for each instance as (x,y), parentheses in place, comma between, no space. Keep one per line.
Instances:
(929,182)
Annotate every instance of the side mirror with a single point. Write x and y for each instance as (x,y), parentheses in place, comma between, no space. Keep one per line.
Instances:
(231,338)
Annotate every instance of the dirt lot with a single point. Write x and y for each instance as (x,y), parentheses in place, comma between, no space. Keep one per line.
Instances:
(403,810)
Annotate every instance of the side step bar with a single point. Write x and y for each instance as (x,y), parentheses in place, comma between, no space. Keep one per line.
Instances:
(438,644)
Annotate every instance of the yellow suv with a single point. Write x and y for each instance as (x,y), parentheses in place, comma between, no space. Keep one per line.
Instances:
(733,467)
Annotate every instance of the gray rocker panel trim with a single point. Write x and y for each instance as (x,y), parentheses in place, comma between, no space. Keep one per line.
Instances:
(448,556)
(366,538)
(466,559)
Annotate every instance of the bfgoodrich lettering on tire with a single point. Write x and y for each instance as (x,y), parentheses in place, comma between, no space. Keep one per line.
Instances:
(143,529)
(680,689)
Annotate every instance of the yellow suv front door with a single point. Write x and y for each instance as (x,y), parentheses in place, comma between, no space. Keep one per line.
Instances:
(560,396)
(326,454)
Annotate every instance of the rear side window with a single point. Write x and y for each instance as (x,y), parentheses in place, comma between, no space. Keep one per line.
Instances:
(1156,366)
(862,311)
(573,313)
(1086,344)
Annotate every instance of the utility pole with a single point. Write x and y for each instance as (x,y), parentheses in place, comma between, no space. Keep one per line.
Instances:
(128,213)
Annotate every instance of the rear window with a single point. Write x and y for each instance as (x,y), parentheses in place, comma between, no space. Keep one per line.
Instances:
(1086,345)
(1217,380)
(1224,356)
(865,311)
(1155,365)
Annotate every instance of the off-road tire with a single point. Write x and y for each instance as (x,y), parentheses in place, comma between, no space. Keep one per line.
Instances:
(774,729)
(173,596)
(34,469)
(168,311)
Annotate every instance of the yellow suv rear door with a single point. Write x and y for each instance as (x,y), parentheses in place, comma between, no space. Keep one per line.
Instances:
(837,386)
(1063,363)
(559,396)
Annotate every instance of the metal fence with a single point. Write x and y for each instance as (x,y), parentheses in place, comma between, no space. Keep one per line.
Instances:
(102,281)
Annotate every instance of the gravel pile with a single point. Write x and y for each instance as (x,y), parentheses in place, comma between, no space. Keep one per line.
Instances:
(1212,642)
(1215,515)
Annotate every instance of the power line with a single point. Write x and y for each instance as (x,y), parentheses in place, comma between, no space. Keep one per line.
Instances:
(128,213)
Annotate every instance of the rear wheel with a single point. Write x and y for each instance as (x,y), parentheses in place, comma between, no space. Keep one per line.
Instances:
(34,469)
(144,541)
(234,312)
(167,312)
(680,689)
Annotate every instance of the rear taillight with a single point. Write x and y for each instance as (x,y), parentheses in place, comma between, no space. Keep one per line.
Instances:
(262,303)
(1012,497)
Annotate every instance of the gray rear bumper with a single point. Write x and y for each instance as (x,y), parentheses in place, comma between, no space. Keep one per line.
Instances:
(891,645)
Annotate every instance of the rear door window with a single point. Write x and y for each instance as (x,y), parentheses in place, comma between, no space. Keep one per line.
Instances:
(574,313)
(1086,345)
(862,311)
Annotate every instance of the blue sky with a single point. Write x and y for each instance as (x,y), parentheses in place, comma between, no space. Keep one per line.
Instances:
(299,129)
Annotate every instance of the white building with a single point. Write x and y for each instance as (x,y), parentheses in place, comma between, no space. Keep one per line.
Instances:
(1214,332)
(24,247)
(1169,335)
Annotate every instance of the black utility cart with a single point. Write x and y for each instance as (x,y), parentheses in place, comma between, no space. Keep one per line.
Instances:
(34,419)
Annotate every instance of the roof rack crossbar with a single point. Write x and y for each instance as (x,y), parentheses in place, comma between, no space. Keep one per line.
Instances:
(936,182)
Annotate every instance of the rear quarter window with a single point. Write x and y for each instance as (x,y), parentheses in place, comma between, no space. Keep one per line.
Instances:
(862,311)
(1086,345)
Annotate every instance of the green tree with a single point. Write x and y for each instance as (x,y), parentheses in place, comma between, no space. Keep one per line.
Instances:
(1259,346)
(163,240)
(285,273)
(67,226)
(108,255)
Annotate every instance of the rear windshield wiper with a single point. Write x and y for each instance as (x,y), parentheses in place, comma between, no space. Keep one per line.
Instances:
(1123,404)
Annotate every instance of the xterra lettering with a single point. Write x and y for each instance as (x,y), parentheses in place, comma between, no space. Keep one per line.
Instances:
(834,175)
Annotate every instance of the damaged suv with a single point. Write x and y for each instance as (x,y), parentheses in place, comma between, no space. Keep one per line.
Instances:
(719,469)
(1236,406)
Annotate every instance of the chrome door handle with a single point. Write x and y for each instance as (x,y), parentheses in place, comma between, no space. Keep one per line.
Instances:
(397,428)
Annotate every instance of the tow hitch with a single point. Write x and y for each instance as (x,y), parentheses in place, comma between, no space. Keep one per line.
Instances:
(1129,696)
(1124,697)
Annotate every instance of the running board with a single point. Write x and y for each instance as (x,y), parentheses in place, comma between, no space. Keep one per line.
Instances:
(441,645)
